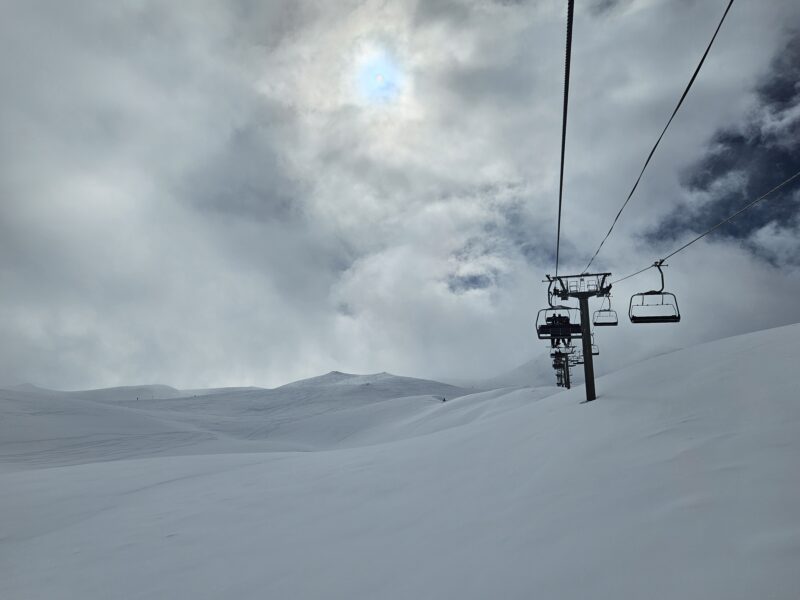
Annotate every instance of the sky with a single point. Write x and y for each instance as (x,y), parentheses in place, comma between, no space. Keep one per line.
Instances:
(248,193)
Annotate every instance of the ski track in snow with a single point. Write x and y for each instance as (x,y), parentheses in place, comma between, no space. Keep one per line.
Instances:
(681,481)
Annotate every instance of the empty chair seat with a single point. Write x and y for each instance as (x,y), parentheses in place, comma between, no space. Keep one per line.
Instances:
(605,317)
(654,307)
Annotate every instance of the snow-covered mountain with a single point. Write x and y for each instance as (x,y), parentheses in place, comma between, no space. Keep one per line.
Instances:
(47,427)
(680,481)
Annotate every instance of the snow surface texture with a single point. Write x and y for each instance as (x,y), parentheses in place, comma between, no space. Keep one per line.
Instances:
(681,481)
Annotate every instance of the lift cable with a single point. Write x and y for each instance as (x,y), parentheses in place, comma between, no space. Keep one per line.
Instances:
(634,274)
(718,225)
(564,125)
(674,112)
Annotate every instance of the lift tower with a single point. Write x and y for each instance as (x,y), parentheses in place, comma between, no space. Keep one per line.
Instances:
(583,287)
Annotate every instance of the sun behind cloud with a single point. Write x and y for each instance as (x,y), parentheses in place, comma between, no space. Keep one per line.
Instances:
(379,77)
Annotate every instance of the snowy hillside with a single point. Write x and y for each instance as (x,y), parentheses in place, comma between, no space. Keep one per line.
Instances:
(537,372)
(681,481)
(47,428)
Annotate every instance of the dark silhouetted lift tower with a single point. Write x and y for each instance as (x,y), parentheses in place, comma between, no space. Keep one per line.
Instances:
(583,287)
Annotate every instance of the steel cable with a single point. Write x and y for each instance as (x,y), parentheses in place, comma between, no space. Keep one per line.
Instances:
(570,6)
(717,226)
(652,151)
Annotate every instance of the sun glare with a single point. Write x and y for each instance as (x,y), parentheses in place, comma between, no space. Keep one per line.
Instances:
(378,76)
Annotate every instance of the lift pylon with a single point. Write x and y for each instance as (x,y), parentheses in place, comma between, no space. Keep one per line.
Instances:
(582,287)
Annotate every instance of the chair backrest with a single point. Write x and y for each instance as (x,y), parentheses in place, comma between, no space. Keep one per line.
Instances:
(605,317)
(548,327)
(654,307)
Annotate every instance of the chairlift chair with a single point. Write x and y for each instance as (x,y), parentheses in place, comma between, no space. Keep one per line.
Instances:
(560,352)
(558,322)
(605,317)
(655,306)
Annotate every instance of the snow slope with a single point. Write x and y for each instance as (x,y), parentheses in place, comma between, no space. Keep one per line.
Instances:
(537,372)
(681,481)
(50,428)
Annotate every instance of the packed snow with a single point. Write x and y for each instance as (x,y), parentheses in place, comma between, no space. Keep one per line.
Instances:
(680,481)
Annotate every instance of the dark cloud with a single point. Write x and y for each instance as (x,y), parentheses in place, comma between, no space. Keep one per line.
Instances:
(497,82)
(248,176)
(746,160)
(268,24)
(462,283)
(600,7)
(431,11)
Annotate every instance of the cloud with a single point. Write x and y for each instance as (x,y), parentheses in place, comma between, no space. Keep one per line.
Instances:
(747,159)
(203,197)
(779,243)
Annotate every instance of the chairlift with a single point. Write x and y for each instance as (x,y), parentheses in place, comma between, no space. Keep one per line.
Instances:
(560,355)
(563,376)
(558,323)
(605,317)
(655,306)
(595,348)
